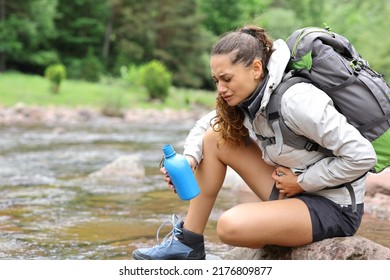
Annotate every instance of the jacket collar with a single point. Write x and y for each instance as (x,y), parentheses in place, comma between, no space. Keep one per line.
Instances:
(276,67)
(251,105)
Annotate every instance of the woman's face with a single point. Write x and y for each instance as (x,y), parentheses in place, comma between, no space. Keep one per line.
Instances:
(235,82)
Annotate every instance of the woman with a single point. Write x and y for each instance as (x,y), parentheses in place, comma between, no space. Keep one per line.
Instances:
(246,67)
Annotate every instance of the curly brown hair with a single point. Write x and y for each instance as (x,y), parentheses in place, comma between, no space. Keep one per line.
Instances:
(245,45)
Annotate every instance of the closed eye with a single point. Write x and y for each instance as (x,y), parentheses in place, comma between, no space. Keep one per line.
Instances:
(226,80)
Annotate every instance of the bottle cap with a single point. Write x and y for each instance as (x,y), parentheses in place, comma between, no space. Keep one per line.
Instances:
(168,150)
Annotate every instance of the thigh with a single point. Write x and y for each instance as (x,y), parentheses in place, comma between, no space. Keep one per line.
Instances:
(281,222)
(247,160)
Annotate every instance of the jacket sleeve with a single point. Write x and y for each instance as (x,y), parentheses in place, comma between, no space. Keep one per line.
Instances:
(313,115)
(194,142)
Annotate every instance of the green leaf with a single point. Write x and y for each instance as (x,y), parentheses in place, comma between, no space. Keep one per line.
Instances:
(305,63)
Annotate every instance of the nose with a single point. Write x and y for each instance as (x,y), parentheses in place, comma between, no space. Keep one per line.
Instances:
(221,88)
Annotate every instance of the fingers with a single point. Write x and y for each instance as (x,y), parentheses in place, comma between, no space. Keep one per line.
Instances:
(166,176)
(277,176)
(286,182)
(167,179)
(172,187)
(278,183)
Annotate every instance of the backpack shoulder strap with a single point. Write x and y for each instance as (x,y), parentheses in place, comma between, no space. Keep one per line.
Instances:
(283,134)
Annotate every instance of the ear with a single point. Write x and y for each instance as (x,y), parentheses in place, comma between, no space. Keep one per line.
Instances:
(257,68)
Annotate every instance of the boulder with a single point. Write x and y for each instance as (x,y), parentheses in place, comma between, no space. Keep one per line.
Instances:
(123,169)
(378,183)
(377,199)
(378,206)
(338,248)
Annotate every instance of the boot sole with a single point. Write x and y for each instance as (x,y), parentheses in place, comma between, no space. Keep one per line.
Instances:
(142,257)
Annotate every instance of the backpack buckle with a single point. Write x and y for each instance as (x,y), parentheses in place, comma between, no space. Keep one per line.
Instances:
(311,146)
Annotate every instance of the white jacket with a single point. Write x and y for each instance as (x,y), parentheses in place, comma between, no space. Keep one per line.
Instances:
(310,112)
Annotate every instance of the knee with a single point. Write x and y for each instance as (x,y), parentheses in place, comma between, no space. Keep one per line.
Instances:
(229,228)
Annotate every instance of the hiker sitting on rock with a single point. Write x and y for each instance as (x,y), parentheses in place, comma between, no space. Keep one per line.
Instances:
(246,67)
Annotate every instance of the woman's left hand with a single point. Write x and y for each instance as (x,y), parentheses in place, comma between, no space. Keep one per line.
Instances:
(286,182)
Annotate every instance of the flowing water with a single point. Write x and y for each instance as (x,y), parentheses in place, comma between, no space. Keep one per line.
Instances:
(51,209)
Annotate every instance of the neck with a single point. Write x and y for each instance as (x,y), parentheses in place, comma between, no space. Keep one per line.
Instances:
(251,105)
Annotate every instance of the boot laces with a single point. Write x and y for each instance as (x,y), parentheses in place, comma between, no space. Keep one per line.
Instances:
(168,239)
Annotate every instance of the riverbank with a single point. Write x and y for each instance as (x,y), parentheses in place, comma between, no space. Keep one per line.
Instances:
(52,115)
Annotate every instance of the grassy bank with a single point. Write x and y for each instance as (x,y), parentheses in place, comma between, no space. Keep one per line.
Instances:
(109,93)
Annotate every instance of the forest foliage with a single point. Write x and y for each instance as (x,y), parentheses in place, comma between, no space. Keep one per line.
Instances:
(94,38)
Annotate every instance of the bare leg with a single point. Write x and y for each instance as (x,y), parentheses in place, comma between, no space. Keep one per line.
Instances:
(245,160)
(281,222)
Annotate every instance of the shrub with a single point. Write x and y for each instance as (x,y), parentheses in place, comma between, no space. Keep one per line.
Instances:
(91,67)
(130,74)
(157,80)
(112,105)
(56,73)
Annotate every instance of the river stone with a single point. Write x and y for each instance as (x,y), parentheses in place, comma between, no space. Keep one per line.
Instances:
(378,206)
(124,168)
(379,186)
(338,248)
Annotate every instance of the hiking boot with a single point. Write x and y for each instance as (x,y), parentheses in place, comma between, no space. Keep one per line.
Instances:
(178,244)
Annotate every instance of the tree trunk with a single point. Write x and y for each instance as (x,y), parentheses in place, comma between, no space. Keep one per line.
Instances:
(3,55)
(107,37)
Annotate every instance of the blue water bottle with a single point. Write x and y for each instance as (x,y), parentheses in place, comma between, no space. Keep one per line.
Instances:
(180,172)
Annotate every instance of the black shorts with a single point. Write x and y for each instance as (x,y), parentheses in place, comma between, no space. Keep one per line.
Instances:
(330,219)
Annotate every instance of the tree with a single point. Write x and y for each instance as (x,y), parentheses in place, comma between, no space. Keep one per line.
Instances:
(180,42)
(362,22)
(166,30)
(365,24)
(81,27)
(220,16)
(116,33)
(133,32)
(25,31)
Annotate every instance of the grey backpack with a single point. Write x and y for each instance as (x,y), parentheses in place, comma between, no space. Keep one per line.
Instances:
(330,62)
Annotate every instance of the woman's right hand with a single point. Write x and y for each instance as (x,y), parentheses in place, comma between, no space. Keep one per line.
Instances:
(192,162)
(167,178)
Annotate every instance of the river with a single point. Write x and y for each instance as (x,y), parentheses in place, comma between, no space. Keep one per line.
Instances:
(51,209)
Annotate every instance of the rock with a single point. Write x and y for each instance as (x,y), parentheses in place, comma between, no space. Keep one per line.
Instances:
(377,199)
(378,183)
(22,114)
(122,169)
(338,248)
(378,206)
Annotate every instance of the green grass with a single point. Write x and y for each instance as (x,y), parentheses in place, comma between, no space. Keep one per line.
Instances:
(34,90)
